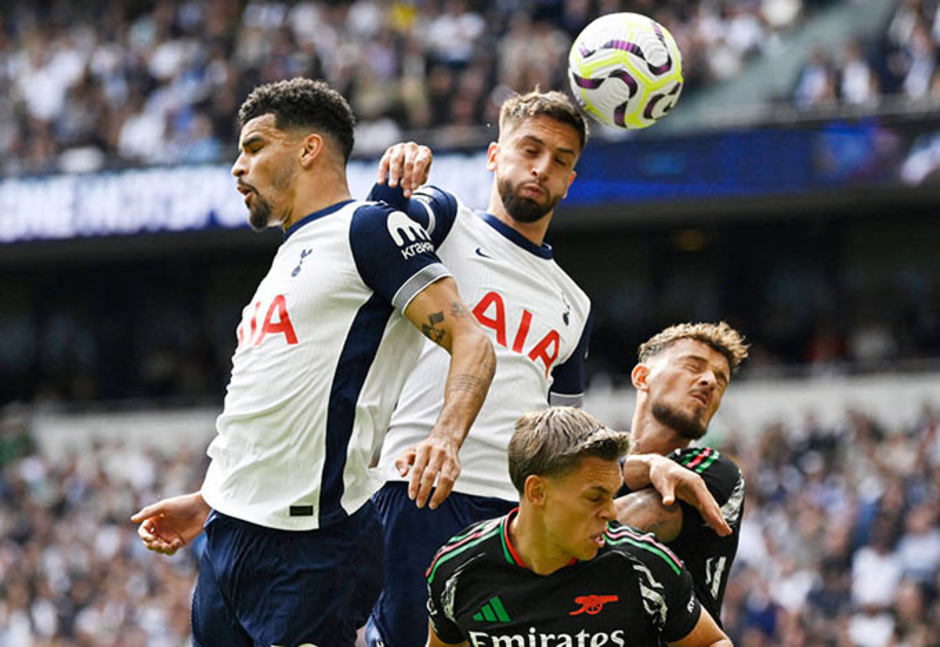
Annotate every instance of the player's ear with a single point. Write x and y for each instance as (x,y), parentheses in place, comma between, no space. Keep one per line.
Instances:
(313,146)
(534,490)
(640,377)
(491,156)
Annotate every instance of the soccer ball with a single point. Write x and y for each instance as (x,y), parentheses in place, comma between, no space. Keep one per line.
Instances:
(625,70)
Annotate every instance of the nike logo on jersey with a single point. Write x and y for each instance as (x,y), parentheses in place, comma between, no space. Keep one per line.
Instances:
(592,604)
(480,252)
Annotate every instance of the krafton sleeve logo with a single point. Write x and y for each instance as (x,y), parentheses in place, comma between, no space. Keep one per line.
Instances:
(409,235)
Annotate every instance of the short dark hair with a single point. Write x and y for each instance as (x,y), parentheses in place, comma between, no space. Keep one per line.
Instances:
(553,104)
(303,103)
(722,337)
(553,442)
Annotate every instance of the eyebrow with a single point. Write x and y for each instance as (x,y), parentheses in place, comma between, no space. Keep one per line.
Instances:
(702,360)
(599,488)
(249,140)
(558,149)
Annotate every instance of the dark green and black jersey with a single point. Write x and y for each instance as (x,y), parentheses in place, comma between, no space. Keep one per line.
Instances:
(707,556)
(634,592)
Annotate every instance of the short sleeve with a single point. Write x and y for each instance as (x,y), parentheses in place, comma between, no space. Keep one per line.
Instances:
(568,378)
(393,254)
(682,607)
(444,626)
(434,208)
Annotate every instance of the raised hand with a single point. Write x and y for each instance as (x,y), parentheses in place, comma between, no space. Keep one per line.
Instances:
(407,164)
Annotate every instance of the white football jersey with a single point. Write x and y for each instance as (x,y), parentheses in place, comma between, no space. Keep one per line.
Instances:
(323,352)
(536,317)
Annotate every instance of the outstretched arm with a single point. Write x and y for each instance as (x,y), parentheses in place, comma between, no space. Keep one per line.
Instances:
(170,524)
(670,480)
(440,314)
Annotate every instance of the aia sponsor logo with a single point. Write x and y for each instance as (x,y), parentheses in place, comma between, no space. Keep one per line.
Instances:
(592,604)
(490,312)
(276,322)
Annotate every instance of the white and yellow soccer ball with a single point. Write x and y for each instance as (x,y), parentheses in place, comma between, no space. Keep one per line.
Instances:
(625,70)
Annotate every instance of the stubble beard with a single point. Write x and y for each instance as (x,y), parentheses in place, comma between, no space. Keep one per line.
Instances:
(688,426)
(261,214)
(521,208)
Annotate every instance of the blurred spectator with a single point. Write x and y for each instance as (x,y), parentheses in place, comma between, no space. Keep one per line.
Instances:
(73,572)
(115,83)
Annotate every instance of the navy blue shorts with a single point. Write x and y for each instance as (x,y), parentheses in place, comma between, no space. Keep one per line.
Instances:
(261,586)
(412,536)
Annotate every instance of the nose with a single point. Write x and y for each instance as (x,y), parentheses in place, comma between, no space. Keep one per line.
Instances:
(708,379)
(609,511)
(541,165)
(239,167)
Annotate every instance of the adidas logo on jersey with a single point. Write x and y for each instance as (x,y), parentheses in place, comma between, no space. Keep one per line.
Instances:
(616,638)
(492,611)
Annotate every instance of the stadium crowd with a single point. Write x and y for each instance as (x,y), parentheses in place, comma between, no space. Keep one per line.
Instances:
(104,83)
(902,63)
(840,545)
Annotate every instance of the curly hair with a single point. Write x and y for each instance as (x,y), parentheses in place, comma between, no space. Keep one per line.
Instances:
(555,105)
(553,441)
(722,337)
(303,103)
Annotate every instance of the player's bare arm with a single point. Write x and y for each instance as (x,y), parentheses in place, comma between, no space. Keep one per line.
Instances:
(407,164)
(168,525)
(646,511)
(706,633)
(440,314)
(670,480)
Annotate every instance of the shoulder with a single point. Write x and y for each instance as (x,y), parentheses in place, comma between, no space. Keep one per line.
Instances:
(472,543)
(722,476)
(706,460)
(641,551)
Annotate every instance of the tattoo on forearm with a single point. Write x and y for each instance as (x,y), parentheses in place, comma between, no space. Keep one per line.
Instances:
(457,309)
(431,331)
(467,384)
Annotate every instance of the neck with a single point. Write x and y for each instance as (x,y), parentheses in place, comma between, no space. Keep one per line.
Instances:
(531,541)
(323,190)
(533,231)
(649,436)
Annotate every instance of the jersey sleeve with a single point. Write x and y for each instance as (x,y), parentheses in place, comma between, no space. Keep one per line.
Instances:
(444,626)
(682,608)
(393,254)
(568,378)
(434,208)
(722,477)
(665,585)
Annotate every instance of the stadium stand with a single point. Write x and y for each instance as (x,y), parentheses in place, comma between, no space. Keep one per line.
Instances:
(123,343)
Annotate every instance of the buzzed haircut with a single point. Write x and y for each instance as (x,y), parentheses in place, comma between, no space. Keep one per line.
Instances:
(553,442)
(555,105)
(722,337)
(303,103)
